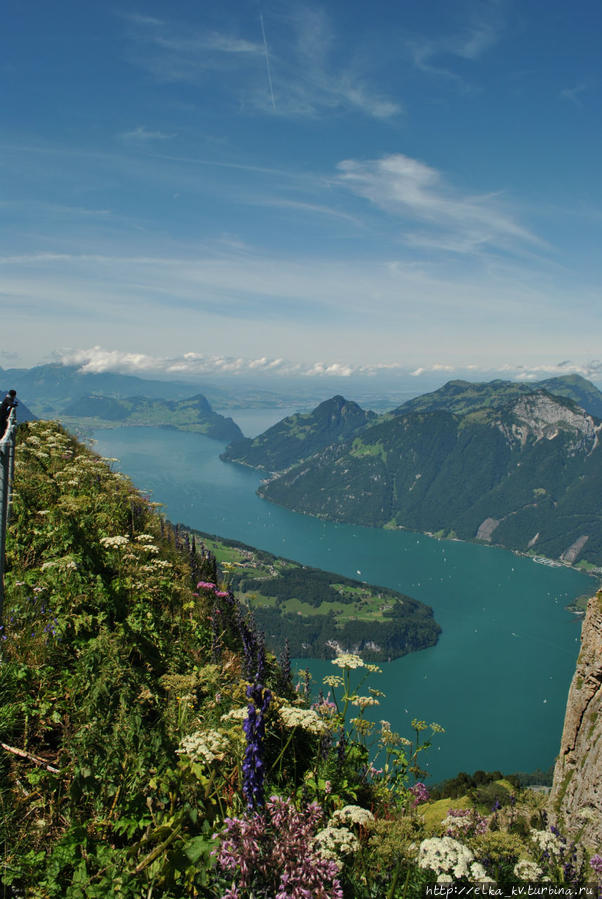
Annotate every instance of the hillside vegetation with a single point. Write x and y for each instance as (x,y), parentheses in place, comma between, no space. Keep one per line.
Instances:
(150,747)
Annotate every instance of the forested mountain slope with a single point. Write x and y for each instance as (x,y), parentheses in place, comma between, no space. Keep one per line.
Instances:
(191,414)
(299,436)
(508,464)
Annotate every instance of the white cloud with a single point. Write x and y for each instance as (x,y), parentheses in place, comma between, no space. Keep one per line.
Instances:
(192,364)
(414,191)
(97,359)
(469,42)
(295,74)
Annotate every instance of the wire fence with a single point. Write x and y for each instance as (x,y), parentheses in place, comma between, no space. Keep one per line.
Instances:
(7,467)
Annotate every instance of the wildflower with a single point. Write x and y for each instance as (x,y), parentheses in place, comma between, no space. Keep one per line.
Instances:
(364,701)
(546,842)
(419,725)
(145,538)
(114,541)
(363,727)
(353,814)
(388,737)
(464,822)
(445,855)
(527,870)
(206,746)
(254,727)
(325,708)
(333,680)
(420,793)
(306,719)
(205,585)
(596,864)
(273,854)
(348,660)
(335,842)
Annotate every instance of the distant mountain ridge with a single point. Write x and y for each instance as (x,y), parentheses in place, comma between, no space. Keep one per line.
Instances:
(192,414)
(50,388)
(462,396)
(506,463)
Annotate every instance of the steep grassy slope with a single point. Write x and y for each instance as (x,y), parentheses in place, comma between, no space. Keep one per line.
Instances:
(124,766)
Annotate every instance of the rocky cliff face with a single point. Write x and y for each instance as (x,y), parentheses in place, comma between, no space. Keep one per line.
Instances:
(541,416)
(576,799)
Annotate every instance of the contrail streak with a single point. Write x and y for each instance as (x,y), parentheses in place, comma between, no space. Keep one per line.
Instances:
(267,61)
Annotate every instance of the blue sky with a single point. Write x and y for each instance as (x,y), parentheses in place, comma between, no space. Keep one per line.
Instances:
(287,187)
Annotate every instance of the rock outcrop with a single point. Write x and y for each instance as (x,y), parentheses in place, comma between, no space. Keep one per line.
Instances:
(576,798)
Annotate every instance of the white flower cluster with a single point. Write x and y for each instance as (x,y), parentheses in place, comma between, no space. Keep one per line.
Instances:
(114,541)
(364,701)
(546,842)
(307,719)
(334,842)
(348,660)
(65,564)
(353,814)
(204,746)
(527,870)
(145,538)
(450,859)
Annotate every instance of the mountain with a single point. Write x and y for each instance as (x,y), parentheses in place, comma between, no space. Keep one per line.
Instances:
(504,463)
(301,435)
(462,396)
(192,414)
(48,389)
(576,388)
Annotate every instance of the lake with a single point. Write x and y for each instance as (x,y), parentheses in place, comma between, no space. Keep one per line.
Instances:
(497,681)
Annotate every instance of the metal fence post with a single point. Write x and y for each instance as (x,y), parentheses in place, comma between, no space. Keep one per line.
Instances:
(7,464)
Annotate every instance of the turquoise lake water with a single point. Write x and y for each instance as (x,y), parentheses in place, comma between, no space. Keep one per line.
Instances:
(499,676)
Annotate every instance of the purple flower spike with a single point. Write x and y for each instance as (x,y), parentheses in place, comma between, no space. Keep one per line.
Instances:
(253,771)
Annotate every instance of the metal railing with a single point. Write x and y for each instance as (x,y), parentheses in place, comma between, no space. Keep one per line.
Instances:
(7,467)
